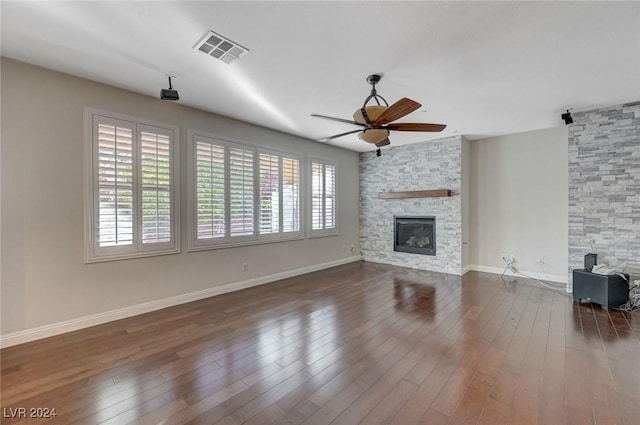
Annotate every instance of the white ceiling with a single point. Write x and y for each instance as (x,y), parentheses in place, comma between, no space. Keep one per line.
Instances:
(483,68)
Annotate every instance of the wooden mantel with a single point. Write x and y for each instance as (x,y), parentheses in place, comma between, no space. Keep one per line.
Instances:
(415,194)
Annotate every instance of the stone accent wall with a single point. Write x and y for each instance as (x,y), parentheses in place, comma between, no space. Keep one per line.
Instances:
(604,187)
(435,164)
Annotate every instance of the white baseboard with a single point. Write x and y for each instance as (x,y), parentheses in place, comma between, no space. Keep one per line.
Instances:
(499,270)
(53,329)
(467,269)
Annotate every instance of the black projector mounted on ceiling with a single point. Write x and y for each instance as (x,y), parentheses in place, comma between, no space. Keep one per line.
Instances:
(169,94)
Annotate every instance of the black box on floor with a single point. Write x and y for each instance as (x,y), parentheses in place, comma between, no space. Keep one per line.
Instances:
(606,290)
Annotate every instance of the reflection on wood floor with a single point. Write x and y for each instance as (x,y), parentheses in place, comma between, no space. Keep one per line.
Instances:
(360,343)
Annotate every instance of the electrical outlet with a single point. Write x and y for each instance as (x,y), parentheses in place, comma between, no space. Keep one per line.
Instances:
(245,267)
(508,257)
(353,248)
(541,260)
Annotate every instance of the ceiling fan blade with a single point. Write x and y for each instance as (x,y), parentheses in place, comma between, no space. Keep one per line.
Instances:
(326,139)
(338,119)
(409,126)
(399,109)
(385,142)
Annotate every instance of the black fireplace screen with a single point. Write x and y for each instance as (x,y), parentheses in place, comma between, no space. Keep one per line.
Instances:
(416,235)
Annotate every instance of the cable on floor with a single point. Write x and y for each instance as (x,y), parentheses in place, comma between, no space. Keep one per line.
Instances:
(510,265)
(634,300)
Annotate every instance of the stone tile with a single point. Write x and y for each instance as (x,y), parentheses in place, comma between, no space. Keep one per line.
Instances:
(435,164)
(604,178)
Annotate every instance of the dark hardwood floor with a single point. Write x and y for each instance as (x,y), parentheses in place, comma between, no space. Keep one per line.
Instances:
(361,343)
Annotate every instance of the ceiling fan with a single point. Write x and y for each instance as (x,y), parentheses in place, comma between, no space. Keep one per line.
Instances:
(377,120)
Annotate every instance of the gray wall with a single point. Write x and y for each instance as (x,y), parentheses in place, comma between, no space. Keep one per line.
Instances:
(604,187)
(44,278)
(435,164)
(519,202)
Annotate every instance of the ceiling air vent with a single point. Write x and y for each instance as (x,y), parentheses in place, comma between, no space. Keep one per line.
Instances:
(221,48)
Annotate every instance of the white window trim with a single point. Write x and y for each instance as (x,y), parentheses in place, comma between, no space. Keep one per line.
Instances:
(320,233)
(193,244)
(173,247)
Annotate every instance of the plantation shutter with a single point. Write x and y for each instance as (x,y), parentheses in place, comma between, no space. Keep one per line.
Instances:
(155,184)
(242,194)
(317,189)
(269,194)
(329,196)
(130,207)
(114,201)
(241,207)
(323,196)
(210,190)
(290,195)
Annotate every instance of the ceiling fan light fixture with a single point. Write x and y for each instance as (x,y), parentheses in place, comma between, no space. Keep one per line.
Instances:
(373,112)
(373,135)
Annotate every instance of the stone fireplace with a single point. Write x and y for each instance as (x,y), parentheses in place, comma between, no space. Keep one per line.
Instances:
(416,235)
(432,165)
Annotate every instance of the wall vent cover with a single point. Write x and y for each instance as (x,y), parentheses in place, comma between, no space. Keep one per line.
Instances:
(219,47)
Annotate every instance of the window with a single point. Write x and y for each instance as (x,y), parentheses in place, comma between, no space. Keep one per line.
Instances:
(210,191)
(323,197)
(269,194)
(241,208)
(279,194)
(291,194)
(132,203)
(241,194)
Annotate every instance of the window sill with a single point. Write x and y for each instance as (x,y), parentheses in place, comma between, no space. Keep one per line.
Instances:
(130,256)
(325,234)
(244,243)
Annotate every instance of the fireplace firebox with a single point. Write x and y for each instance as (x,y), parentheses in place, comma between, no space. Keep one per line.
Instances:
(416,235)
